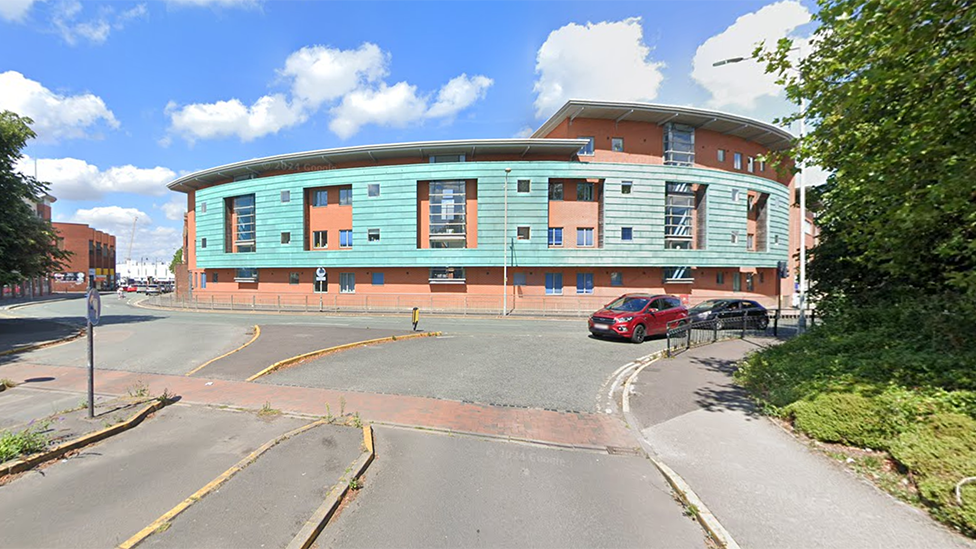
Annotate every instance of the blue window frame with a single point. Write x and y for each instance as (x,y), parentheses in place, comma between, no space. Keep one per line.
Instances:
(584,283)
(584,238)
(345,239)
(378,279)
(555,236)
(626,233)
(554,283)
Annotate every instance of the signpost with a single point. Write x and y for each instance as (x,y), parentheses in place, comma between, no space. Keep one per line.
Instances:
(93,315)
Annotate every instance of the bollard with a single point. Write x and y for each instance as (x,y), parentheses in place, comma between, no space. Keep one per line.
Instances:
(776,323)
(415,318)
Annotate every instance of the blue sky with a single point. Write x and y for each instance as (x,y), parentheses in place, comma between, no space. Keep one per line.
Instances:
(128,95)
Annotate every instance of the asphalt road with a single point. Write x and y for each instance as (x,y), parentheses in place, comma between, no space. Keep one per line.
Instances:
(431,490)
(108,492)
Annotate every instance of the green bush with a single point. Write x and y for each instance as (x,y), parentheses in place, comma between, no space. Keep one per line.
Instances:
(940,451)
(28,441)
(848,418)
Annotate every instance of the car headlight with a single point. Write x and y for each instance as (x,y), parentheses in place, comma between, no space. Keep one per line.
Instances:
(621,319)
(705,314)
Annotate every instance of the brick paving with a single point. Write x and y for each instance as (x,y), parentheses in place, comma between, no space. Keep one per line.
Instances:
(575,429)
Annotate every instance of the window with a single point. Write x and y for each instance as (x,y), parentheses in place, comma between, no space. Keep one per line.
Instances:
(762,277)
(584,237)
(378,279)
(720,278)
(345,197)
(586,150)
(203,280)
(762,165)
(736,193)
(215,278)
(555,191)
(735,237)
(347,283)
(373,190)
(321,284)
(446,158)
(345,239)
(679,207)
(446,275)
(518,279)
(203,207)
(286,238)
(721,155)
(320,240)
(736,282)
(584,283)
(626,234)
(678,274)
(320,198)
(554,284)
(750,242)
(293,278)
(523,233)
(750,164)
(679,145)
(524,185)
(584,192)
(776,239)
(242,215)
(448,219)
(373,235)
(555,236)
(617,144)
(246,274)
(750,282)
(286,196)
(203,242)
(626,187)
(737,161)
(616,278)
(750,200)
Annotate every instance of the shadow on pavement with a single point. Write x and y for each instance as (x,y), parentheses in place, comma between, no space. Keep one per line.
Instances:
(716,396)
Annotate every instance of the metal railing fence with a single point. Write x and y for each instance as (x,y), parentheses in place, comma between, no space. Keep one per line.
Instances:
(781,323)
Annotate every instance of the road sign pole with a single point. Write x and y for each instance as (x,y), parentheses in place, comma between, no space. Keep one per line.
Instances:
(91,355)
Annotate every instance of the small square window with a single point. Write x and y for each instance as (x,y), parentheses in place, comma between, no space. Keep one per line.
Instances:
(721,155)
(203,242)
(524,185)
(555,236)
(286,238)
(735,237)
(626,187)
(293,278)
(286,196)
(373,235)
(518,279)
(524,233)
(203,207)
(735,195)
(320,239)
(626,233)
(617,144)
(373,190)
(616,278)
(378,279)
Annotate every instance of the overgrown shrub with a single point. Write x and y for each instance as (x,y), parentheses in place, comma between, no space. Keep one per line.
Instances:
(848,418)
(21,443)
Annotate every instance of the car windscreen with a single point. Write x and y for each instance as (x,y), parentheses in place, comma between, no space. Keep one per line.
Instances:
(628,304)
(707,305)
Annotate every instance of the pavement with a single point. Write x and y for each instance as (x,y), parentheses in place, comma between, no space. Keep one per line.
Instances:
(766,488)
(16,332)
(23,404)
(107,492)
(431,490)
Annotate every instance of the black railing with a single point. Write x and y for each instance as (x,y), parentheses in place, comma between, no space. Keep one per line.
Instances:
(687,333)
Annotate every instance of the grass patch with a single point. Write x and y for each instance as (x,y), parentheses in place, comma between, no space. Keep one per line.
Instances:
(268,411)
(22,443)
(139,390)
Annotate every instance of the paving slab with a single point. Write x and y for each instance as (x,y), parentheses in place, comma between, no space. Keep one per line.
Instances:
(266,504)
(22,404)
(765,487)
(278,342)
(430,490)
(108,492)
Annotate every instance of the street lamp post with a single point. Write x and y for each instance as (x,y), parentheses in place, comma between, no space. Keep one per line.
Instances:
(803,200)
(504,251)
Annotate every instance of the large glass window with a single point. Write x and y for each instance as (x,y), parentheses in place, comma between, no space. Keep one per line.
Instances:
(584,283)
(247,274)
(678,274)
(555,236)
(584,192)
(446,275)
(584,237)
(554,283)
(242,211)
(679,207)
(555,191)
(679,145)
(347,283)
(448,222)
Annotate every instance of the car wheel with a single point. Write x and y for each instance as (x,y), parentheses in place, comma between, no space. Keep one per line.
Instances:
(638,335)
(719,324)
(762,323)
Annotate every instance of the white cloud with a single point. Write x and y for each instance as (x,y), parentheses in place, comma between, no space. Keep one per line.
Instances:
(175,208)
(526,131)
(323,74)
(149,240)
(602,61)
(814,175)
(216,3)
(15,10)
(55,116)
(66,21)
(269,114)
(73,179)
(349,82)
(741,84)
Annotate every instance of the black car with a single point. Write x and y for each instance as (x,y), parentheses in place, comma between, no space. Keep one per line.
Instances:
(729,313)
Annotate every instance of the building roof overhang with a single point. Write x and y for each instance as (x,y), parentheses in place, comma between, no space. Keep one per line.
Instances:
(772,137)
(376,153)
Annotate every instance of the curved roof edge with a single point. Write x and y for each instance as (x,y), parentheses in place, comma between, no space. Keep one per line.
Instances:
(471,147)
(770,136)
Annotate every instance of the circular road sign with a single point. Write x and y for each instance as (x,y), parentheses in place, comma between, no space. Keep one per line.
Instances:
(94,306)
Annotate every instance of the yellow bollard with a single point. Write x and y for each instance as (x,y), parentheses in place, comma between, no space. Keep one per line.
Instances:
(415,318)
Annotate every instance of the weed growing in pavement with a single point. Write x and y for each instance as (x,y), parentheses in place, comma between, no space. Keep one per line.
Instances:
(357,421)
(139,390)
(342,406)
(355,484)
(328,413)
(29,441)
(268,411)
(691,510)
(166,397)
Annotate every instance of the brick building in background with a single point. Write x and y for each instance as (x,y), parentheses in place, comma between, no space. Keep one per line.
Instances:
(90,250)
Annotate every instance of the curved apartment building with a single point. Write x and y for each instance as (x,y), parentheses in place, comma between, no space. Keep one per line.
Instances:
(604,199)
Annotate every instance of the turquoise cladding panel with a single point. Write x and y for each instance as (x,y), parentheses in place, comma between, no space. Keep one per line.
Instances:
(394,212)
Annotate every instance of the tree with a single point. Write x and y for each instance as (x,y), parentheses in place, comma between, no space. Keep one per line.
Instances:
(28,244)
(177,259)
(891,92)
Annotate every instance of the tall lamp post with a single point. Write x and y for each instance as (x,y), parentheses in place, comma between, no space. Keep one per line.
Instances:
(803,200)
(505,251)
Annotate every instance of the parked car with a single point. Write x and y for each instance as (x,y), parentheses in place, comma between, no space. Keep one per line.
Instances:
(635,316)
(722,313)
(152,289)
(131,288)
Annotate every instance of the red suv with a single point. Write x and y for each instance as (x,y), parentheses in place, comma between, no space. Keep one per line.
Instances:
(635,316)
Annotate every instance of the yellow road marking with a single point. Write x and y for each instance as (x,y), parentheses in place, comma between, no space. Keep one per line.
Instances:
(257,332)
